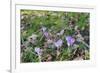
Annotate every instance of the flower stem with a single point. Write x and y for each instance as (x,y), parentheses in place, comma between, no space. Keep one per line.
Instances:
(69,52)
(39,58)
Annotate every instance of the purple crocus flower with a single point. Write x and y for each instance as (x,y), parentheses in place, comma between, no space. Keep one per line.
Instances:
(58,43)
(70,40)
(38,51)
(46,34)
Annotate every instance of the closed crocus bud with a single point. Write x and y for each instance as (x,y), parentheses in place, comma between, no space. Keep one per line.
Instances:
(70,40)
(58,43)
(46,34)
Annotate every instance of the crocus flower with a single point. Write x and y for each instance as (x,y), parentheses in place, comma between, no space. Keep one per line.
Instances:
(38,51)
(46,34)
(58,43)
(43,29)
(70,40)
